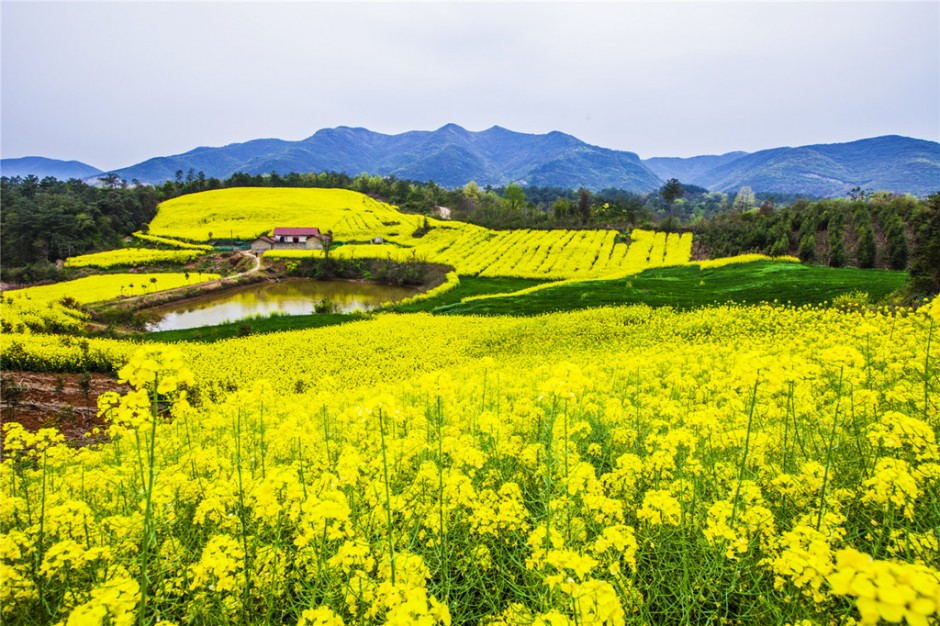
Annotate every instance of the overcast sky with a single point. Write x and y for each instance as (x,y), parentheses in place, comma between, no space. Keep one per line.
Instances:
(112,84)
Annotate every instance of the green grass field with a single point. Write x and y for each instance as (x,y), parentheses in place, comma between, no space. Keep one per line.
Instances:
(689,286)
(681,287)
(469,286)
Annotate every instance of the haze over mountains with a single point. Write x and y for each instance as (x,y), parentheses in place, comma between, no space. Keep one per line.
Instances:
(42,167)
(453,156)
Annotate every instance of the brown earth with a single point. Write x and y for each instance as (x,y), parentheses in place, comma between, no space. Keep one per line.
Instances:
(45,400)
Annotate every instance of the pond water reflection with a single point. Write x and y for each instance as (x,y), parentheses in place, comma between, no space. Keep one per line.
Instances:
(288,297)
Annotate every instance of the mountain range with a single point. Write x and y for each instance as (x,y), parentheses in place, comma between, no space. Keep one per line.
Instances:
(42,167)
(453,156)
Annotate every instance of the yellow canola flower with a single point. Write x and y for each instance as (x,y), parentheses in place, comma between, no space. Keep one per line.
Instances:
(16,586)
(619,540)
(16,583)
(887,590)
(565,382)
(124,257)
(219,569)
(660,507)
(172,242)
(743,258)
(805,560)
(353,555)
(565,561)
(159,364)
(932,309)
(409,606)
(892,484)
(596,603)
(320,616)
(112,603)
(897,430)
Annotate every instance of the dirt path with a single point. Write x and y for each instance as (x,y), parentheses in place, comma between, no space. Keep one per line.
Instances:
(255,268)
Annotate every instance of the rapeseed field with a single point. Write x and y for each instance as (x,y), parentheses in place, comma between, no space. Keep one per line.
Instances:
(357,220)
(612,466)
(762,464)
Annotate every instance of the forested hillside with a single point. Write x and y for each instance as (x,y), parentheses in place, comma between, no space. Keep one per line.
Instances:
(47,220)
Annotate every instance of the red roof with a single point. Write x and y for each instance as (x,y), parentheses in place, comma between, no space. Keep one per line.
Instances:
(294,232)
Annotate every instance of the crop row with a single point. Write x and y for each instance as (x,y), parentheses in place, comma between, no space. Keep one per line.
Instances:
(174,243)
(551,254)
(132,257)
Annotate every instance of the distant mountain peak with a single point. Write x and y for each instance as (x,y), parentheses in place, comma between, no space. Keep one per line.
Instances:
(41,167)
(453,156)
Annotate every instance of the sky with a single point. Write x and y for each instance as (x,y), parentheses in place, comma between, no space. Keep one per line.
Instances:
(115,83)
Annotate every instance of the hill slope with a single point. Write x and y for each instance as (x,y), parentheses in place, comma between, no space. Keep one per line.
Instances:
(42,167)
(689,170)
(690,286)
(891,163)
(356,220)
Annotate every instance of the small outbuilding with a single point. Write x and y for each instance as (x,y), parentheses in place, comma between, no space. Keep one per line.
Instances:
(262,244)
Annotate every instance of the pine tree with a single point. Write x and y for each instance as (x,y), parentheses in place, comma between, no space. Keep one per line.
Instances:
(834,239)
(807,249)
(897,248)
(925,262)
(865,249)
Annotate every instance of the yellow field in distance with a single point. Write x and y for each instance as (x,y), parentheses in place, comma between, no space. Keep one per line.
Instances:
(247,213)
(356,219)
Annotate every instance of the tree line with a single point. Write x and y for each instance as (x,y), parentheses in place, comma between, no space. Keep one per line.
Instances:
(47,220)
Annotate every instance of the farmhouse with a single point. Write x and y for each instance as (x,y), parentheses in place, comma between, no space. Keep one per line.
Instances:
(291,238)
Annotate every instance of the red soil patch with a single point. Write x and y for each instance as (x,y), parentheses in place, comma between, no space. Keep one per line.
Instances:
(56,401)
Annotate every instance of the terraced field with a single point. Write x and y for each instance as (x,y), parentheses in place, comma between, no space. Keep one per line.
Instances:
(356,220)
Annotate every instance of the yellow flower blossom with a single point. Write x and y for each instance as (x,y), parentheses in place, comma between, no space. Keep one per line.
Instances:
(886,590)
(320,616)
(112,603)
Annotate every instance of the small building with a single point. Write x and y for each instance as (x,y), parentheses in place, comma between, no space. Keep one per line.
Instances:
(296,235)
(291,238)
(261,244)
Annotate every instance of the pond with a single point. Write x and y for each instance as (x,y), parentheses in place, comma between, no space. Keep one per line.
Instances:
(287,297)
